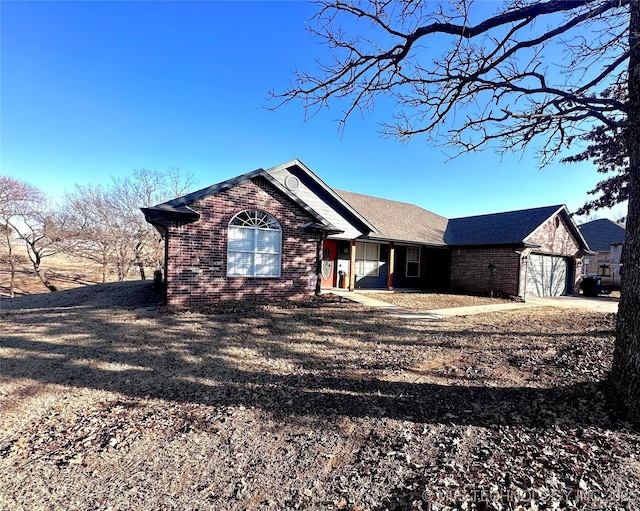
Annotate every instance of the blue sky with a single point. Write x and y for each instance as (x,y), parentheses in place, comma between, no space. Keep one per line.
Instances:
(91,90)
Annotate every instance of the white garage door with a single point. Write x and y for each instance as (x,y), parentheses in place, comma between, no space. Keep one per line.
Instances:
(546,275)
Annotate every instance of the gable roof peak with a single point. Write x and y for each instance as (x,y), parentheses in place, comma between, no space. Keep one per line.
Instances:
(294,164)
(179,207)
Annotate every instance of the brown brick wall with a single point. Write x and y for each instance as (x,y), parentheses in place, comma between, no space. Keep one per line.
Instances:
(198,251)
(555,238)
(470,270)
(469,266)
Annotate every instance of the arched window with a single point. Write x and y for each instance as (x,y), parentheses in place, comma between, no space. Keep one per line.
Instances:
(255,245)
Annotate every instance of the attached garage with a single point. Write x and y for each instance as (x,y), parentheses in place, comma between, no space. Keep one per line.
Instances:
(546,275)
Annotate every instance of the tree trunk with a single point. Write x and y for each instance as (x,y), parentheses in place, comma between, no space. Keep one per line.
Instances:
(12,274)
(43,278)
(139,262)
(624,379)
(36,258)
(12,266)
(120,265)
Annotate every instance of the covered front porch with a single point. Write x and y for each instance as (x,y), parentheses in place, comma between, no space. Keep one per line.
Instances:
(368,264)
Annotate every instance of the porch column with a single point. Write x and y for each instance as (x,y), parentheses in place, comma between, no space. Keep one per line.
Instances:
(392,265)
(352,268)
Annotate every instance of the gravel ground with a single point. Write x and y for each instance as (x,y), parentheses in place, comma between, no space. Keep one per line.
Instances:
(110,401)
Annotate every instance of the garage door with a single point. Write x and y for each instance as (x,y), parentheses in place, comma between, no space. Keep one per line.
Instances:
(546,275)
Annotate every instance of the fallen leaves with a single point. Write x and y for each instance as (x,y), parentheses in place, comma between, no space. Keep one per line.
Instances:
(114,425)
(330,408)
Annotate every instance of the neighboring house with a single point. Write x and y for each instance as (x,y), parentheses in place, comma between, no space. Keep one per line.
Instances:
(262,234)
(605,238)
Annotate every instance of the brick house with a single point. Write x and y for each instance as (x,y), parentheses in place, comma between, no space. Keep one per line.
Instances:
(279,232)
(536,252)
(605,238)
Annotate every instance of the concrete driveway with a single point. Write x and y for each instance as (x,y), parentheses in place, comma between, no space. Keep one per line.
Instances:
(600,303)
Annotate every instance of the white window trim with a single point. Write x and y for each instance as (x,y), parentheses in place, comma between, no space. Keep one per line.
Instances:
(254,251)
(361,257)
(406,273)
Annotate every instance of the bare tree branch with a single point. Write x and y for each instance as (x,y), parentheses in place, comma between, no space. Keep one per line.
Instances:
(494,64)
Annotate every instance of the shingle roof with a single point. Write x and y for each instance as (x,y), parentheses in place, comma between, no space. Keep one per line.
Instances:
(509,228)
(179,207)
(602,233)
(393,220)
(398,221)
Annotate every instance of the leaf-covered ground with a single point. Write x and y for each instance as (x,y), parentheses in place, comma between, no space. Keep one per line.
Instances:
(109,405)
(432,301)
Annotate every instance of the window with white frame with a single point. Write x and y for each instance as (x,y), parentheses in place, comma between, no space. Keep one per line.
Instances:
(367,260)
(255,245)
(413,262)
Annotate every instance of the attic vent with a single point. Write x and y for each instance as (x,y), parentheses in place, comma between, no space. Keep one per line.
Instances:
(292,182)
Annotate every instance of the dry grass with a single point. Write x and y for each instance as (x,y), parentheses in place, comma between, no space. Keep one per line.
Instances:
(111,402)
(432,301)
(62,271)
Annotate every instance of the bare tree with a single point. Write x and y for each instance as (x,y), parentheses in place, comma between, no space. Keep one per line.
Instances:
(146,188)
(27,212)
(15,200)
(111,228)
(43,237)
(99,235)
(534,69)
(9,258)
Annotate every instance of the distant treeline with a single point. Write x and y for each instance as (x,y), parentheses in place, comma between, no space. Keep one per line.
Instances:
(101,223)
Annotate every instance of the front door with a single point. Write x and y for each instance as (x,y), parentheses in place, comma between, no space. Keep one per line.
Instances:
(329,260)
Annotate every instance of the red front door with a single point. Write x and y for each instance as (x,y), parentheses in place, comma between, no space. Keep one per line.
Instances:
(329,260)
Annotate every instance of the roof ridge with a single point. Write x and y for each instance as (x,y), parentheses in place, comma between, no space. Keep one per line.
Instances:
(602,220)
(539,208)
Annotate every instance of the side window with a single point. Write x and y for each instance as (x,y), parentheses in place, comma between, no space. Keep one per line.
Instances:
(413,262)
(255,245)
